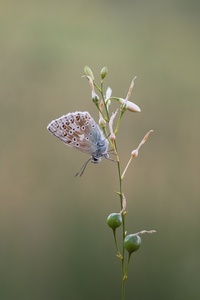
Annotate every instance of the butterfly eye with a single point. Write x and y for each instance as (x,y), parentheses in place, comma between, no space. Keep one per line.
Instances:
(83,127)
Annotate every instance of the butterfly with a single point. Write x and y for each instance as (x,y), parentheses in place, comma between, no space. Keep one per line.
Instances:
(79,130)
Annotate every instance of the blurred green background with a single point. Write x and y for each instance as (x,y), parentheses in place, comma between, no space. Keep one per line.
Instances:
(54,241)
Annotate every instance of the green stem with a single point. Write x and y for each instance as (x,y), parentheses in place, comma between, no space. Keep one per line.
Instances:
(116,244)
(102,95)
(123,222)
(101,113)
(118,122)
(121,256)
(127,266)
(100,89)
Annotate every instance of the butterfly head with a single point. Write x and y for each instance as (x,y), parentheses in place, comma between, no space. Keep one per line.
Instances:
(96,160)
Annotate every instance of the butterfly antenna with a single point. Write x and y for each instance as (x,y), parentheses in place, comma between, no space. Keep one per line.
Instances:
(82,169)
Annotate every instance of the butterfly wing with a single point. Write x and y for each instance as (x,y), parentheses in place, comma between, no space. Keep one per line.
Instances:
(77,130)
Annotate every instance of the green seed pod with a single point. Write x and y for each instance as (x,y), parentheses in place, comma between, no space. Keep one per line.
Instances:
(114,220)
(132,242)
(104,72)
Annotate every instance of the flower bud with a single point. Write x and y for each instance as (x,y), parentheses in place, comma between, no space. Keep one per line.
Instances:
(104,72)
(134,153)
(114,220)
(88,72)
(102,122)
(112,137)
(95,97)
(132,242)
(128,105)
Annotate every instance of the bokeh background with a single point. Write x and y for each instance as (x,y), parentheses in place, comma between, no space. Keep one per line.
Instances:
(54,241)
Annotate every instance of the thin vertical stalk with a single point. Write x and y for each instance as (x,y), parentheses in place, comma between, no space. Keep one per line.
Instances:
(100,89)
(123,222)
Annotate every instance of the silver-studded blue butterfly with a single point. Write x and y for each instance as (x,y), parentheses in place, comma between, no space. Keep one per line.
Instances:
(80,131)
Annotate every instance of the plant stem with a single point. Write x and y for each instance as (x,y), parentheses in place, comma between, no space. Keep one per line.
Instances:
(116,244)
(123,275)
(100,89)
(127,266)
(123,220)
